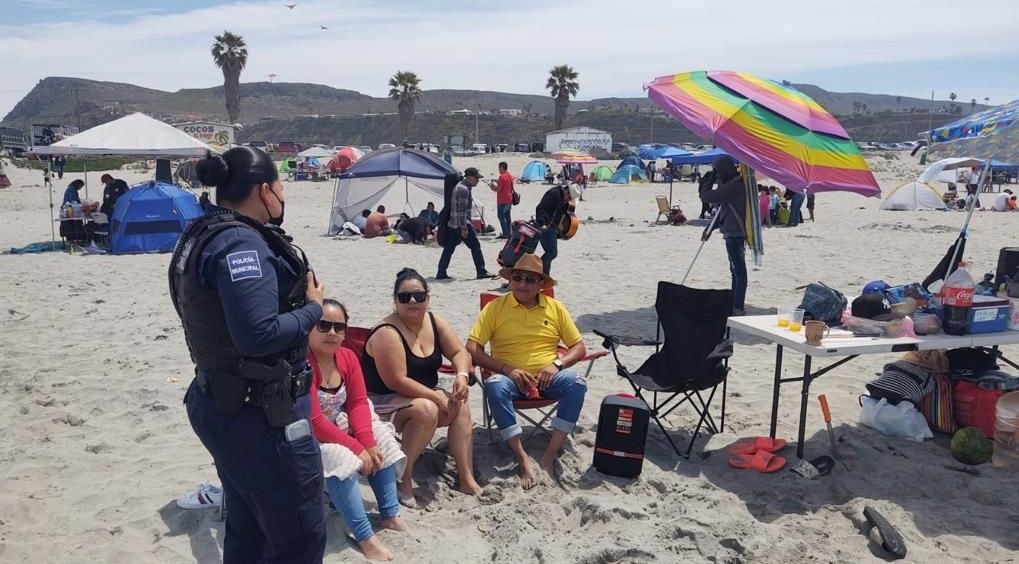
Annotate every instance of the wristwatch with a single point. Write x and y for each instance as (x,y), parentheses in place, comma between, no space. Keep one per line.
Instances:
(558,364)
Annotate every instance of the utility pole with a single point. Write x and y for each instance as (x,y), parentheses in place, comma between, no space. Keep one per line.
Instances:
(77,112)
(652,136)
(476,114)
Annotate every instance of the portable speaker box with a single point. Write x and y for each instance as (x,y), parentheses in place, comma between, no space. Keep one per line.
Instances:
(622,433)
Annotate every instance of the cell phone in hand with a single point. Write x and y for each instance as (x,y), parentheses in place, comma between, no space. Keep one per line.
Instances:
(297,430)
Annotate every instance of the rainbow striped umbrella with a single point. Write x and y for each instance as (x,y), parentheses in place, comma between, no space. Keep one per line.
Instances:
(774,129)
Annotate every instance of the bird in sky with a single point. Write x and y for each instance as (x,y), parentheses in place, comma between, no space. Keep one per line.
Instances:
(291,6)
(322,26)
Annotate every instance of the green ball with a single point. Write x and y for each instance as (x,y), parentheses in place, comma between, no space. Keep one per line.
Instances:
(970,446)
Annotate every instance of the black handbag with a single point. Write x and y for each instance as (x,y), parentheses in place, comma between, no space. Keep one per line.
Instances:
(822,303)
(516,198)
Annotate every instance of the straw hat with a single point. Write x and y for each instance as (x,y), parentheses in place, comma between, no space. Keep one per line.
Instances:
(528,263)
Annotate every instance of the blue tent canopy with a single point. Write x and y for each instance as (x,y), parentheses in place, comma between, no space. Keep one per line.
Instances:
(399,162)
(534,171)
(632,161)
(672,152)
(624,174)
(150,217)
(704,157)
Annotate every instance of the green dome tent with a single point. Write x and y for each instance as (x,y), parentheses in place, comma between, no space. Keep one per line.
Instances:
(602,173)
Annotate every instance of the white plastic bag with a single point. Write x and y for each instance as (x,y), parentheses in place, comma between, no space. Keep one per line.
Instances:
(902,420)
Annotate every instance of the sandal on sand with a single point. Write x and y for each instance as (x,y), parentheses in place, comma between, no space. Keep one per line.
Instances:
(762,461)
(820,466)
(891,540)
(206,496)
(757,444)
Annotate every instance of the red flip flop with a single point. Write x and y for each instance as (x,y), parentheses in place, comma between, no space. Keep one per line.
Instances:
(756,444)
(762,461)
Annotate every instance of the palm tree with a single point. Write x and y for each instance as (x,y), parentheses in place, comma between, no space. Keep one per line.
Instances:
(972,105)
(562,82)
(231,54)
(898,100)
(405,90)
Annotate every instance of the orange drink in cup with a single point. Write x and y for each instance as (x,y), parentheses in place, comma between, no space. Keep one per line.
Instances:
(796,320)
(783,316)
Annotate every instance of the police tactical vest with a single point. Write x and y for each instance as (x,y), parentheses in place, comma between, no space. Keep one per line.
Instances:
(200,308)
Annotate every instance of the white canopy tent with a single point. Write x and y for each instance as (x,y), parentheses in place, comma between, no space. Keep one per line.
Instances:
(912,196)
(135,135)
(936,169)
(316,153)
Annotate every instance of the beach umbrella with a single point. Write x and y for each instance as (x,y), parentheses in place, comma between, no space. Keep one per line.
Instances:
(752,228)
(770,127)
(990,134)
(934,171)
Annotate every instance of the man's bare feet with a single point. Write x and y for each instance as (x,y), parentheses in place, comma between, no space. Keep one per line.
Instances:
(548,464)
(470,487)
(373,549)
(395,524)
(405,493)
(527,478)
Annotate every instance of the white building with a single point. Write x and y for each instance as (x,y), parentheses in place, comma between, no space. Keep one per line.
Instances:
(511,112)
(221,134)
(578,139)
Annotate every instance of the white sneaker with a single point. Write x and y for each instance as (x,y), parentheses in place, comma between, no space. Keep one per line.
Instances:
(206,496)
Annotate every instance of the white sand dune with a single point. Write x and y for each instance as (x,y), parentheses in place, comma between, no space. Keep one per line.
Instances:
(97,444)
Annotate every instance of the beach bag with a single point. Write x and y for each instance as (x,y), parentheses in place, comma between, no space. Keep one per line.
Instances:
(822,303)
(938,406)
(523,239)
(902,381)
(622,433)
(971,362)
(516,198)
(676,216)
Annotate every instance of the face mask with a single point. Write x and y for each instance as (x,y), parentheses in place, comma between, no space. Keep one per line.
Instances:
(277,221)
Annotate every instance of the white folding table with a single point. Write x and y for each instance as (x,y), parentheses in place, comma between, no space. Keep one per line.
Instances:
(843,344)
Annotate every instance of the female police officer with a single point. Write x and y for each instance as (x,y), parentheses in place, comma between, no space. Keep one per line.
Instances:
(247,301)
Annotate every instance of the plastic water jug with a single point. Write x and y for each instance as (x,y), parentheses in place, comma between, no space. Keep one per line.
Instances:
(1006,432)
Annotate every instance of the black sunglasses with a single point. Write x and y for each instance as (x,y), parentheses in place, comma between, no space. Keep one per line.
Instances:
(404,297)
(324,326)
(530,279)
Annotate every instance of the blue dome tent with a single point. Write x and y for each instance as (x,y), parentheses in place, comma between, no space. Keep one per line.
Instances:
(627,173)
(632,161)
(150,217)
(534,172)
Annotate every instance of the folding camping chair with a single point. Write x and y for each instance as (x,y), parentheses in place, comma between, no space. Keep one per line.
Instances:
(546,408)
(663,208)
(693,358)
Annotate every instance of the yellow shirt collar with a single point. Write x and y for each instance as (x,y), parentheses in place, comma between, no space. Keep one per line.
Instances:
(514,303)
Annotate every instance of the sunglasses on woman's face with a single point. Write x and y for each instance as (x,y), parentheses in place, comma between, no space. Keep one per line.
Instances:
(404,297)
(324,326)
(529,279)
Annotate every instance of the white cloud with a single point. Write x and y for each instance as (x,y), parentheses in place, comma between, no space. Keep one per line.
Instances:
(467,45)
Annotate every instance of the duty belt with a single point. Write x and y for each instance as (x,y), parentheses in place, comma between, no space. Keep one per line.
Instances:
(299,384)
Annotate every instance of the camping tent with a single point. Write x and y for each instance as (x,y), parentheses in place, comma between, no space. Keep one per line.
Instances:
(632,161)
(912,196)
(602,173)
(626,173)
(410,172)
(704,157)
(953,163)
(534,172)
(150,217)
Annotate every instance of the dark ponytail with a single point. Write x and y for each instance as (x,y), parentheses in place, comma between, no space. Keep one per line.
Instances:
(408,274)
(236,172)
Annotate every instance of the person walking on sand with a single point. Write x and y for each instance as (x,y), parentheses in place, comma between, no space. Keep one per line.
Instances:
(731,199)
(810,204)
(459,228)
(525,328)
(504,199)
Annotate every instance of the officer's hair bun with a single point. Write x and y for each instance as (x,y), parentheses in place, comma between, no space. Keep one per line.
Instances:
(213,170)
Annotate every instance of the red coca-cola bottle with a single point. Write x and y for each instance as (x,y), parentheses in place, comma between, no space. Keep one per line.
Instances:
(957,299)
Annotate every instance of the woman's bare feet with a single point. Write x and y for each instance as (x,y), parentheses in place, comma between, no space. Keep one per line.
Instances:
(373,549)
(548,464)
(395,524)
(527,478)
(470,486)
(405,493)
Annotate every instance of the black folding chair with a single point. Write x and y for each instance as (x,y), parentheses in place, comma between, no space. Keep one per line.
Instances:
(693,357)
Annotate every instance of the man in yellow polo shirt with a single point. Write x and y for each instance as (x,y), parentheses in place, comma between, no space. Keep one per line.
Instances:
(525,328)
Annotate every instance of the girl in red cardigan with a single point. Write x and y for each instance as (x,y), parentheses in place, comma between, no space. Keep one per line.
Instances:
(354,442)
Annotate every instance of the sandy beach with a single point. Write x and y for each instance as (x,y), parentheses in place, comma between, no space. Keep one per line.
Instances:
(93,369)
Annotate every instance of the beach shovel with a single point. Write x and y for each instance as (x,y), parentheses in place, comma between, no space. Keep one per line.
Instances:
(831,432)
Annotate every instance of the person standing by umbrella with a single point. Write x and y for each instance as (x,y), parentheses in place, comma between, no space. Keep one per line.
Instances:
(731,198)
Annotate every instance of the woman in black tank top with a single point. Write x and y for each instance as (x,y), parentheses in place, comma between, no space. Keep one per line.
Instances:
(402,356)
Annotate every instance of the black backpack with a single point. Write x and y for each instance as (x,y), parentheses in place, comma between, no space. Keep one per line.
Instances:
(823,303)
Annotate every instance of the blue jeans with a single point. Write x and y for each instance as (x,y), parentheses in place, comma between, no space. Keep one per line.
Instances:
(795,215)
(505,221)
(453,240)
(735,247)
(567,387)
(549,239)
(346,497)
(272,487)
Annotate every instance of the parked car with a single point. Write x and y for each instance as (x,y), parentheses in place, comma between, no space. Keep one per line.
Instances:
(289,147)
(384,146)
(457,149)
(478,149)
(365,148)
(522,147)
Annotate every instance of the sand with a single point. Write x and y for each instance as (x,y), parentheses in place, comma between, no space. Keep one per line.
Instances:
(97,444)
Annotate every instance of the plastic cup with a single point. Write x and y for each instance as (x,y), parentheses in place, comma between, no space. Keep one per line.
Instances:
(796,320)
(783,316)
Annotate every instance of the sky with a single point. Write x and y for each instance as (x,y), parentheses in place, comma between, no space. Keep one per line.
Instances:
(900,47)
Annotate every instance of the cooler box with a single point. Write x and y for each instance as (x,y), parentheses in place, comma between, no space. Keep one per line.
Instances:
(1008,265)
(622,433)
(974,401)
(989,314)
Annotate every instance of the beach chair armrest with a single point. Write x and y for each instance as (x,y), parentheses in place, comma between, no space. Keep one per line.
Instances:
(624,340)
